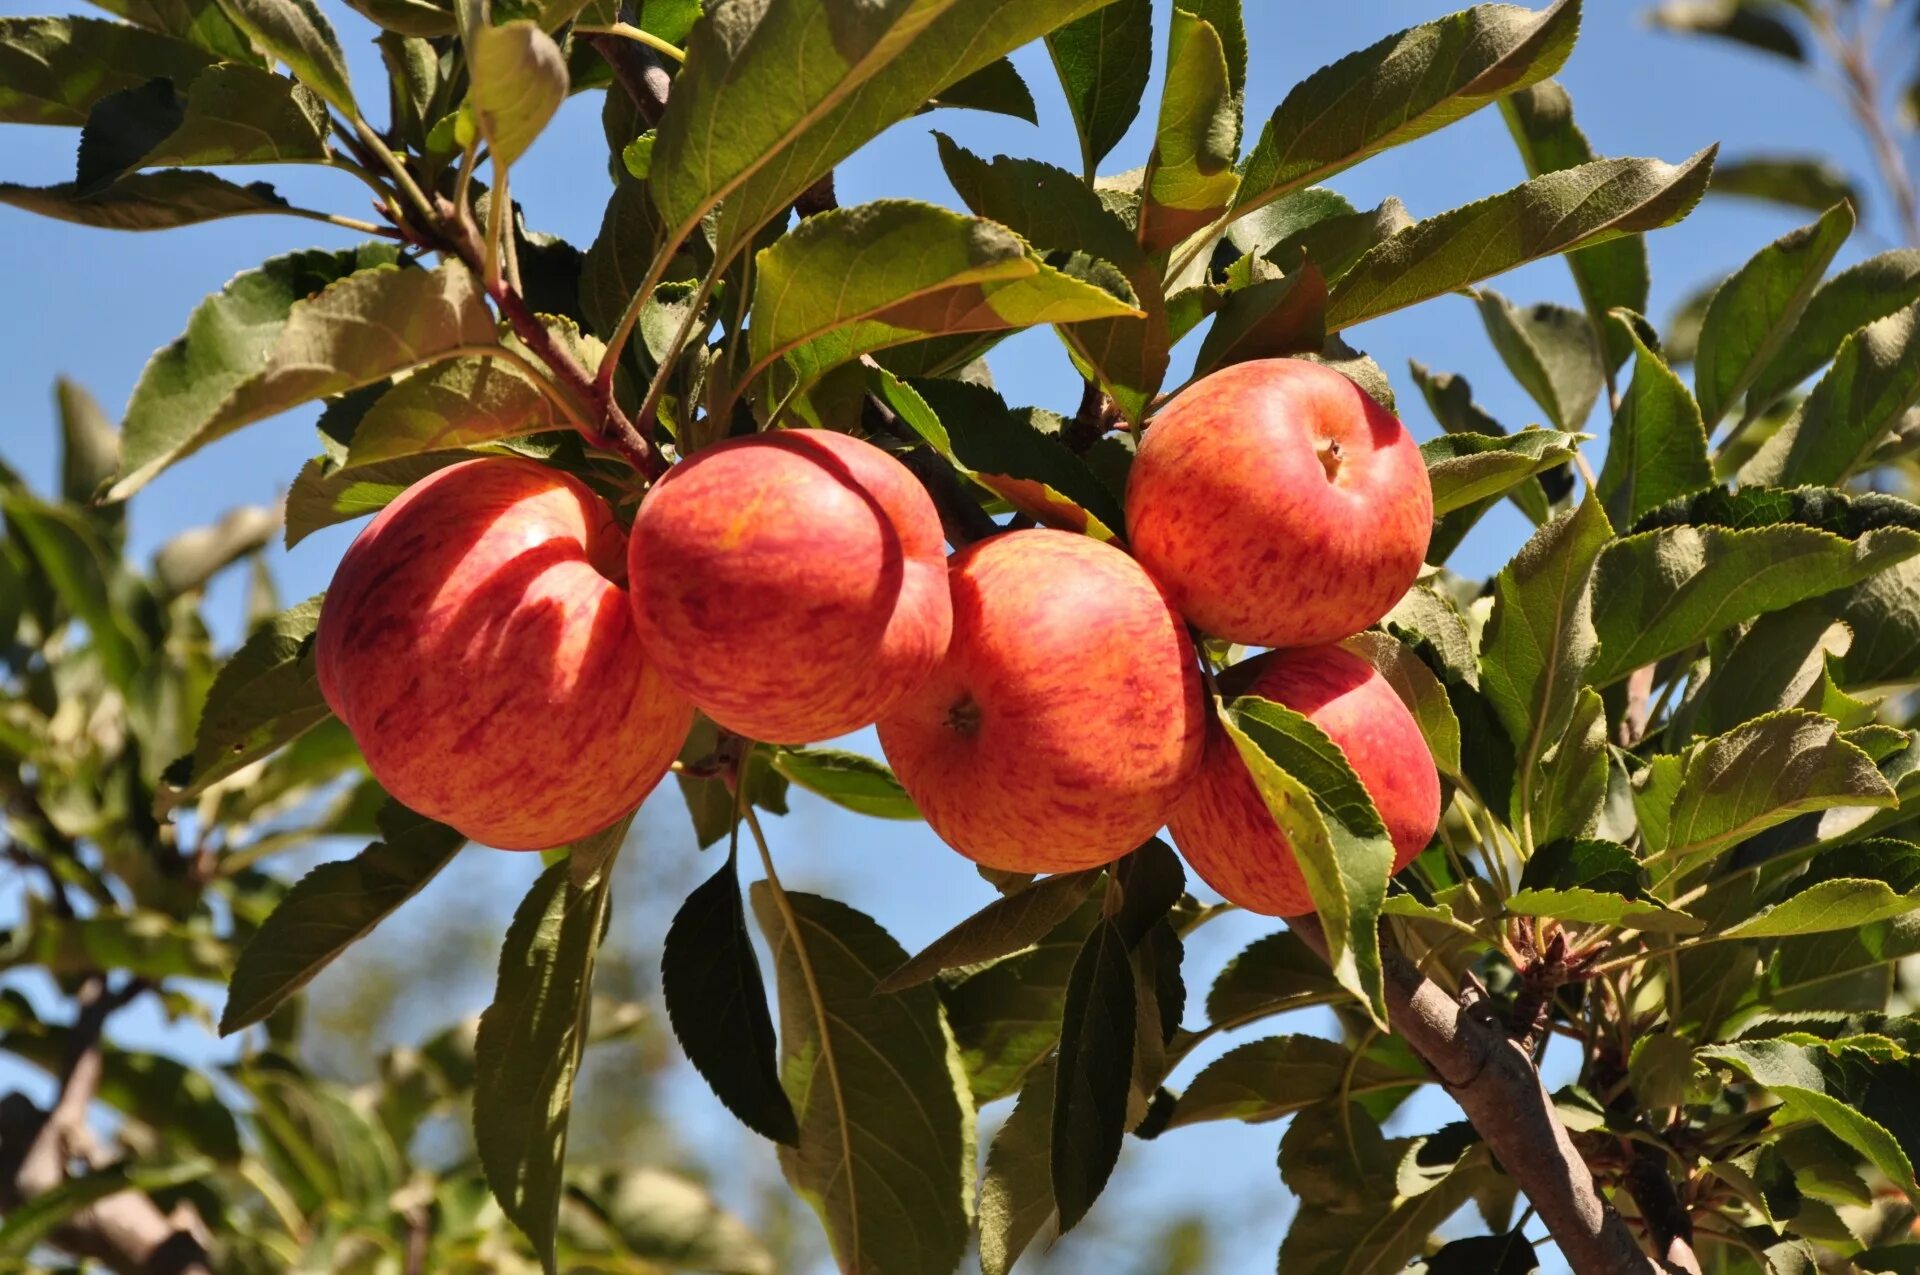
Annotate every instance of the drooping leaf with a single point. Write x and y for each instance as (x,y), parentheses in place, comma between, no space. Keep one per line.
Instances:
(1740,21)
(519,79)
(1270,1078)
(89,443)
(1552,351)
(1268,318)
(1853,298)
(886,1136)
(1270,976)
(995,87)
(1413,83)
(717,1003)
(1572,783)
(1103,60)
(147,201)
(229,114)
(1558,212)
(333,907)
(1884,615)
(1016,1191)
(1657,448)
(1752,314)
(52,70)
(1093,1071)
(1009,924)
(1874,379)
(298,33)
(261,359)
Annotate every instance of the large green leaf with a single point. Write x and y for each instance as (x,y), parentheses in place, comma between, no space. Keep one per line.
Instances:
(848,72)
(200,22)
(1609,275)
(1016,1191)
(1758,775)
(1419,689)
(1406,86)
(454,404)
(1592,882)
(1008,925)
(1755,25)
(528,1048)
(1270,976)
(1103,60)
(850,780)
(1267,318)
(1700,566)
(52,70)
(147,201)
(245,358)
(1468,469)
(1190,178)
(1555,213)
(1270,1078)
(1874,379)
(1552,351)
(1754,311)
(330,909)
(1093,1071)
(1330,822)
(230,114)
(855,280)
(1657,449)
(325,494)
(1572,782)
(1845,889)
(87,577)
(1850,300)
(656,1216)
(886,1150)
(1884,614)
(519,79)
(297,32)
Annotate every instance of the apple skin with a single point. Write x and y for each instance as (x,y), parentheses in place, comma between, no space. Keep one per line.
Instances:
(485,662)
(1067,718)
(1223,828)
(793,585)
(1279,505)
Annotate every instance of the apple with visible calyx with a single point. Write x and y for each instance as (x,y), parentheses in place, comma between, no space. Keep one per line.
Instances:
(793,585)
(478,643)
(1223,827)
(1279,505)
(1067,717)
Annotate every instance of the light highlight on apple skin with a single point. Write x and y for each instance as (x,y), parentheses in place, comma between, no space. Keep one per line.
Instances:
(792,585)
(1278,505)
(485,662)
(1067,718)
(1223,828)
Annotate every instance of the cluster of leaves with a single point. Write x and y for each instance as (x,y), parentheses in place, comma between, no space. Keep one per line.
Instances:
(1676,812)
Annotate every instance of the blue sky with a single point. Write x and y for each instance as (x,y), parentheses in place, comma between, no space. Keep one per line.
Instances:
(94,305)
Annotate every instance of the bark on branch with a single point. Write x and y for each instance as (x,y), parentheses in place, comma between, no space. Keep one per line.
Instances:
(1496,1084)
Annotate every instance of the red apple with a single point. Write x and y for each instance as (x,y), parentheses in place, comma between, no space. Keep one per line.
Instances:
(478,643)
(1224,829)
(1279,505)
(793,585)
(1067,718)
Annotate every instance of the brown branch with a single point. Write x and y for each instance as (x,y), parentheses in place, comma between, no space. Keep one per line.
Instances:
(1495,1083)
(1669,1225)
(126,1232)
(640,72)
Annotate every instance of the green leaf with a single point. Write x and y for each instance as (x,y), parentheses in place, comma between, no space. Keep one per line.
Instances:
(87,577)
(1556,213)
(1812,182)
(1592,882)
(1864,1100)
(1103,60)
(1093,1072)
(1573,774)
(167,1096)
(1740,21)
(1754,311)
(423,18)
(1552,351)
(1055,211)
(1016,1191)
(1412,84)
(1698,567)
(1609,275)
(147,201)
(528,1048)
(1874,379)
(297,33)
(52,70)
(1539,637)
(1845,889)
(1267,319)
(725,138)
(1850,300)
(857,783)
(34,1221)
(1467,469)
(185,563)
(854,280)
(656,1216)
(325,494)
(332,908)
(1190,178)
(230,114)
(519,79)
(1761,774)
(199,22)
(1333,829)
(1274,1077)
(1773,665)
(1657,449)
(1384,1237)
(89,443)
(995,87)
(1010,924)
(710,979)
(358,330)
(886,1150)
(450,405)
(1884,615)
(1419,690)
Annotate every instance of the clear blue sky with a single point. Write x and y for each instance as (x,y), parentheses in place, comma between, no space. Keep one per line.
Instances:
(94,305)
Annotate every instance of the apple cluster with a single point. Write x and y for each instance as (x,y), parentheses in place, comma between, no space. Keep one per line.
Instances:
(516,665)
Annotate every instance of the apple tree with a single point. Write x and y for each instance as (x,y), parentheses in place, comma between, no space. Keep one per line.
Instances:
(1650,790)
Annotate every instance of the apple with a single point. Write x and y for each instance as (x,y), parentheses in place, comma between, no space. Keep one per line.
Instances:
(1067,717)
(1279,505)
(793,585)
(478,643)
(1223,828)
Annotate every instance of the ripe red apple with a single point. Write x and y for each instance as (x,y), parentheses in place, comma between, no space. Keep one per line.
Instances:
(793,585)
(478,643)
(1224,829)
(1067,718)
(1279,505)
